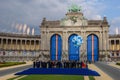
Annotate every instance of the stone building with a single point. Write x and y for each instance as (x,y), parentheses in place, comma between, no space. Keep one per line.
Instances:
(56,37)
(15,47)
(114,48)
(55,41)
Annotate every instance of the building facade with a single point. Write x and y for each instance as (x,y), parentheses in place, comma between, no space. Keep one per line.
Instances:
(56,37)
(55,41)
(19,47)
(114,48)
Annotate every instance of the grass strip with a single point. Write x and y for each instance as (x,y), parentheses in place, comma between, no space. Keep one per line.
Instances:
(7,64)
(91,78)
(53,77)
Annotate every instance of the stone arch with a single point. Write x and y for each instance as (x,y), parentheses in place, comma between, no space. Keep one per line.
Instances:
(92,47)
(69,34)
(56,47)
(92,33)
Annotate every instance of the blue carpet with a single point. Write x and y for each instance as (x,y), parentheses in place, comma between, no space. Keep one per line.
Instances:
(62,71)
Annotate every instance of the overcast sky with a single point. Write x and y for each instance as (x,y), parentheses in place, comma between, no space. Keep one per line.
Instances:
(14,14)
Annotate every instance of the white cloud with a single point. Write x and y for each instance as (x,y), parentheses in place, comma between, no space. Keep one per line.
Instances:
(115,23)
(31,12)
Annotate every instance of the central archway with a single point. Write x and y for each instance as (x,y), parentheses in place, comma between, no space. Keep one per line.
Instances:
(56,47)
(72,49)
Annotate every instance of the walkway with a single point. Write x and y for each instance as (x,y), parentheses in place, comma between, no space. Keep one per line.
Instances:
(8,72)
(110,70)
(103,76)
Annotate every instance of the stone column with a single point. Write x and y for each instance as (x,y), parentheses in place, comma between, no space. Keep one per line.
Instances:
(6,46)
(64,41)
(110,45)
(101,45)
(85,54)
(47,40)
(107,41)
(34,44)
(49,37)
(39,44)
(85,43)
(30,45)
(25,48)
(66,45)
(10,44)
(20,44)
(100,41)
(114,44)
(83,47)
(15,43)
(1,43)
(119,44)
(107,46)
(43,40)
(103,41)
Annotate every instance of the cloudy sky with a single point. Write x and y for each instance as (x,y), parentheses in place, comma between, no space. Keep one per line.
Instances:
(25,16)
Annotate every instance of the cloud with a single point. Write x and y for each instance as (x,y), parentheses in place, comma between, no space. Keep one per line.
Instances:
(115,23)
(31,12)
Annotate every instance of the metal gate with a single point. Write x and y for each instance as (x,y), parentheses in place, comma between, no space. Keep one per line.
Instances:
(56,47)
(92,48)
(73,50)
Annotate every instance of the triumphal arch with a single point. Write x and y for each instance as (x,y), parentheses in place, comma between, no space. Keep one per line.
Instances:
(57,37)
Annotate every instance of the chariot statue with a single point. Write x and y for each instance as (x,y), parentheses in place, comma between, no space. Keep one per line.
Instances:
(74,8)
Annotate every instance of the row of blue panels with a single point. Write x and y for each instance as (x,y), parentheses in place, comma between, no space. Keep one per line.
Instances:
(74,51)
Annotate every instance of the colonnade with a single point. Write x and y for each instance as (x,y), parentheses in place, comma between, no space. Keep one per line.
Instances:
(19,44)
(114,47)
(114,44)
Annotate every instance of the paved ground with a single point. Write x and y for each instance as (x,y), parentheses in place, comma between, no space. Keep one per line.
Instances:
(110,70)
(8,72)
(102,76)
(13,70)
(101,67)
(113,64)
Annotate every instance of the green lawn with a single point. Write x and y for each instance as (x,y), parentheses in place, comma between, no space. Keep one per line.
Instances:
(118,64)
(7,64)
(53,77)
(91,78)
